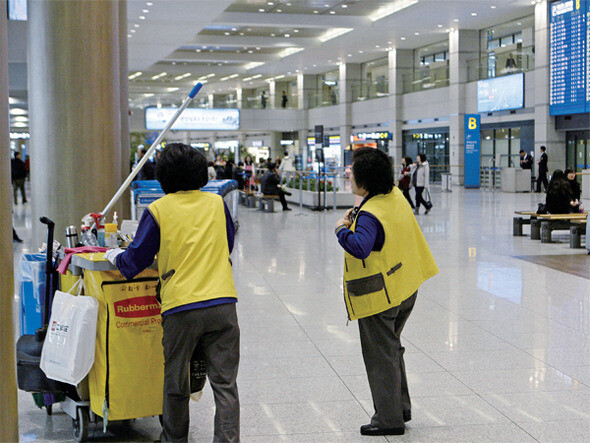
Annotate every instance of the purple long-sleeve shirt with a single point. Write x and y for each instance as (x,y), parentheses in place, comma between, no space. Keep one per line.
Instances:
(144,247)
(368,235)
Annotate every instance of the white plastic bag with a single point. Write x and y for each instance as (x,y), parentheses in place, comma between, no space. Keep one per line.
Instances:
(68,350)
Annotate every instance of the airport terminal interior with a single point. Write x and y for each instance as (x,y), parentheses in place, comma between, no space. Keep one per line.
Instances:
(497,347)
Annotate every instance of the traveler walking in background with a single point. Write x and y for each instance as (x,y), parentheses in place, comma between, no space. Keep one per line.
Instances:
(542,178)
(263,99)
(421,181)
(250,172)
(19,175)
(381,281)
(284,100)
(405,179)
(211,172)
(286,164)
(148,171)
(192,233)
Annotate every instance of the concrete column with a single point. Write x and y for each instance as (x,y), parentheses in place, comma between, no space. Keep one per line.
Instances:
(545,133)
(349,84)
(9,407)
(272,94)
(211,98)
(239,98)
(305,89)
(303,150)
(124,100)
(400,64)
(75,110)
(463,46)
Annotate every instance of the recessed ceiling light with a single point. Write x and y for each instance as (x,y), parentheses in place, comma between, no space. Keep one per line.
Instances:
(136,25)
(519,24)
(493,7)
(288,4)
(287,35)
(416,33)
(142,17)
(241,33)
(360,51)
(456,20)
(261,10)
(173,63)
(146,11)
(295,30)
(150,3)
(129,35)
(345,6)
(132,31)
(250,51)
(269,3)
(332,12)
(273,34)
(326,6)
(314,65)
(402,38)
(226,33)
(279,10)
(473,14)
(249,29)
(439,26)
(234,29)
(258,48)
(377,46)
(316,12)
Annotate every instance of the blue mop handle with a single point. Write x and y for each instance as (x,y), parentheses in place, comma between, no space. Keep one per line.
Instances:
(153,147)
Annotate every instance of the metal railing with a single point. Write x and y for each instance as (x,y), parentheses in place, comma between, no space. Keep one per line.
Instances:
(370,90)
(496,64)
(426,78)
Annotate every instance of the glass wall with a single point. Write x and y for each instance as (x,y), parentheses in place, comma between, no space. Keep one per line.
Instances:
(326,91)
(500,147)
(505,49)
(431,68)
(432,142)
(374,80)
(578,150)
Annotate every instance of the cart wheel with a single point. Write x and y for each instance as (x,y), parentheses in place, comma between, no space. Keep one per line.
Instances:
(81,424)
(49,409)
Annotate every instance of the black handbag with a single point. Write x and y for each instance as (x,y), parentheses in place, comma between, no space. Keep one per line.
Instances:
(427,199)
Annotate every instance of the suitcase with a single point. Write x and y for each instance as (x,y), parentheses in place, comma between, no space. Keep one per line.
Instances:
(30,377)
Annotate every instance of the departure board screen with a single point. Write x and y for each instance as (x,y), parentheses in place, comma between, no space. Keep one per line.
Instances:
(569,57)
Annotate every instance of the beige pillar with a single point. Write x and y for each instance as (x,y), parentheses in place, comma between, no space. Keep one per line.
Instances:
(349,84)
(545,133)
(400,64)
(463,46)
(75,109)
(8,402)
(125,204)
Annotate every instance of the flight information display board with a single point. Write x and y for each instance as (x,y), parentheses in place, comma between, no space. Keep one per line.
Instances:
(570,57)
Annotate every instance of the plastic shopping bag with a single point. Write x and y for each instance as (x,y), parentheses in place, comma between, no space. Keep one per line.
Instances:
(68,350)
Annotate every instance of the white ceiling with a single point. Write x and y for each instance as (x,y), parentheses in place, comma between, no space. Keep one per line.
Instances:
(222,37)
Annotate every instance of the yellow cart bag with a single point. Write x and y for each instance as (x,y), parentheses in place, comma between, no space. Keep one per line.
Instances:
(127,378)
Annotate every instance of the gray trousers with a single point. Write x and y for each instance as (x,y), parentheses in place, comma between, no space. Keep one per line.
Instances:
(216,329)
(17,185)
(383,354)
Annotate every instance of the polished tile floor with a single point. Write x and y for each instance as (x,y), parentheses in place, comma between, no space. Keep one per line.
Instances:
(497,348)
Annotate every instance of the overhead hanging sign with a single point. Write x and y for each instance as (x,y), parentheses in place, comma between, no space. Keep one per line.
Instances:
(193,119)
(384,135)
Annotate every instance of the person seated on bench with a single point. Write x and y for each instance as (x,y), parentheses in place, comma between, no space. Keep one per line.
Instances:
(558,195)
(270,185)
(576,192)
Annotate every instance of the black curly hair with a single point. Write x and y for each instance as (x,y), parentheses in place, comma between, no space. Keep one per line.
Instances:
(372,171)
(181,168)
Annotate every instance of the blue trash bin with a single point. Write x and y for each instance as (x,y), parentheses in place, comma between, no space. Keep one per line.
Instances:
(31,282)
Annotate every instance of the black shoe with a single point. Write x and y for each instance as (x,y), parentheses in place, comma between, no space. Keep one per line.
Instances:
(407,416)
(286,209)
(374,430)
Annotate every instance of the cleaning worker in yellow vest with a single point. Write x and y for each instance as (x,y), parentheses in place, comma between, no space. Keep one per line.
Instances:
(193,235)
(386,260)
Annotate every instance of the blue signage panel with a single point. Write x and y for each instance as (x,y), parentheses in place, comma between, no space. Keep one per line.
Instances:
(472,141)
(569,57)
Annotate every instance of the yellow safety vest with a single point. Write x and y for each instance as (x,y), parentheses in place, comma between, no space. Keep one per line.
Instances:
(388,277)
(193,260)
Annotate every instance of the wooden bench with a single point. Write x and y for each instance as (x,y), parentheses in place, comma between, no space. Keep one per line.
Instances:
(577,229)
(554,222)
(248,199)
(517,223)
